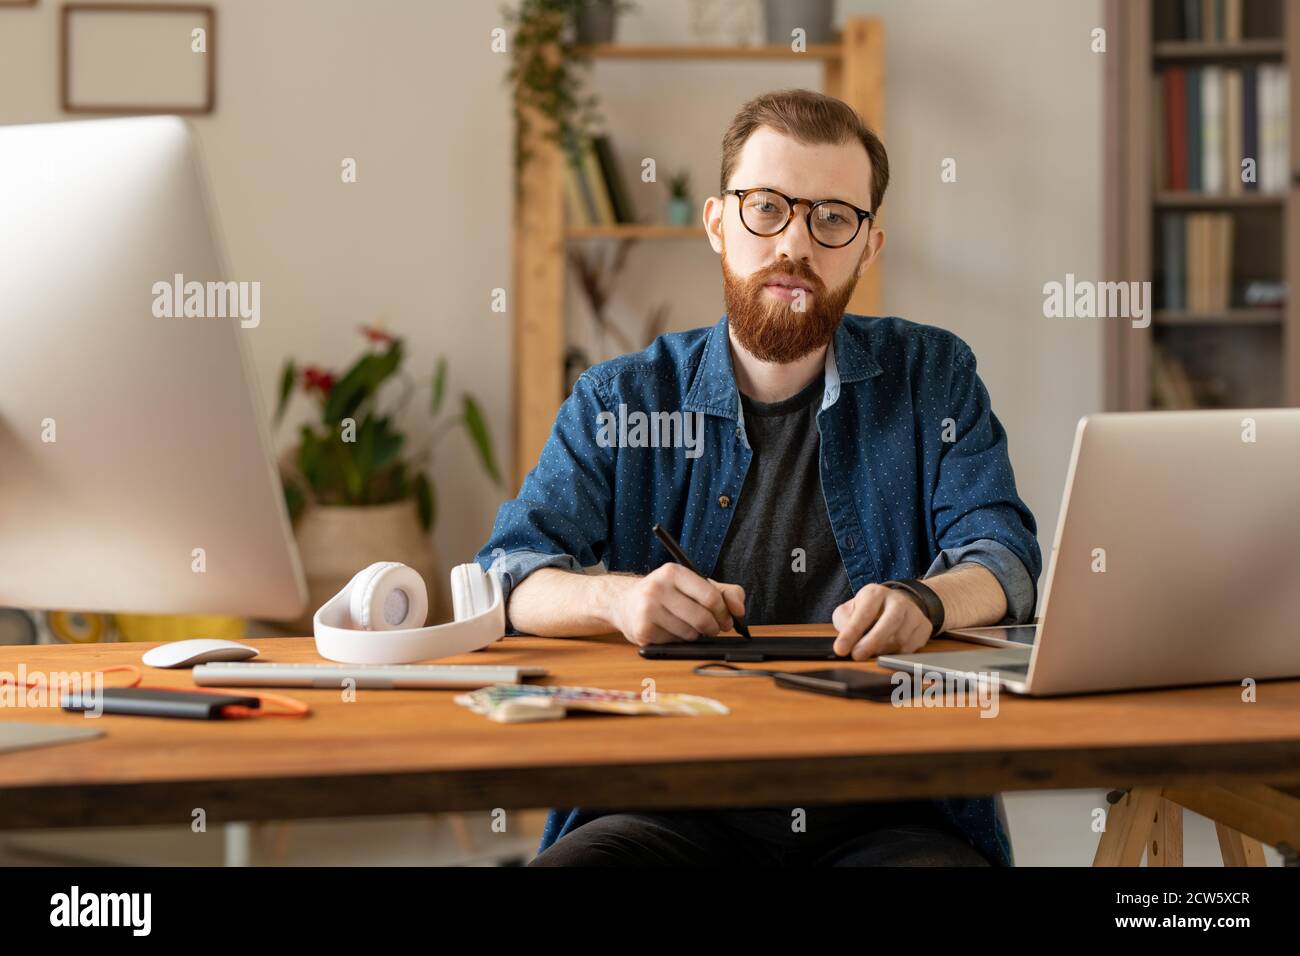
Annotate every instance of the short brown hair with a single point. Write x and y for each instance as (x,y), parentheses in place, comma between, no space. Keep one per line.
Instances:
(810,117)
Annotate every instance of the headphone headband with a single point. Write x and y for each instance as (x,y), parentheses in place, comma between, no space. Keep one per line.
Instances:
(371,639)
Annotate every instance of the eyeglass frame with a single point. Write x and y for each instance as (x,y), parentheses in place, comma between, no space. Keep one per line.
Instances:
(793,201)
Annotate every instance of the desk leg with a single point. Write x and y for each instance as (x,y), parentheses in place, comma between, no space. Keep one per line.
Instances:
(1166,845)
(1246,816)
(1129,824)
(1239,849)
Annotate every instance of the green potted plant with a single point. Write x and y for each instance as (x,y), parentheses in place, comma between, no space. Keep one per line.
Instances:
(680,210)
(596,20)
(355,492)
(547,51)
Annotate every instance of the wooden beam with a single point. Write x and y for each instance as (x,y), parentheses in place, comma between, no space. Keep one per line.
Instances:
(827,52)
(1165,847)
(1129,823)
(1127,196)
(1237,848)
(1259,811)
(1291,237)
(860,79)
(538,306)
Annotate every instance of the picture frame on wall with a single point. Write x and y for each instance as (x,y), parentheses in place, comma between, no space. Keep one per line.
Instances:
(136,58)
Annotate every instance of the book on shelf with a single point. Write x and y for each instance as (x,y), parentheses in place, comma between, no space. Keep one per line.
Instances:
(582,204)
(1197,260)
(1273,121)
(1232,133)
(1209,21)
(595,194)
(1194,127)
(618,195)
(1208,119)
(1174,110)
(1213,140)
(1174,236)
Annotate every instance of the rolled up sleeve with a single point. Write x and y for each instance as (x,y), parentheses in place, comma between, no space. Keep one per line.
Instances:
(977,514)
(560,519)
(1004,565)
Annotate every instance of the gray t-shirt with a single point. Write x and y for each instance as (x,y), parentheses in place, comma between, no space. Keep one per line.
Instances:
(779,546)
(781,508)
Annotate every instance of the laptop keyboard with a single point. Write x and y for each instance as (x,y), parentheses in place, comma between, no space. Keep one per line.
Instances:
(1012,668)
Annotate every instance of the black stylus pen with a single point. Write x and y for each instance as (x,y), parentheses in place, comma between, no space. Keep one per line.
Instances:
(675,549)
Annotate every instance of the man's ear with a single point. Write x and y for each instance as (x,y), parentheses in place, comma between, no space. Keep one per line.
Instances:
(875,243)
(712,216)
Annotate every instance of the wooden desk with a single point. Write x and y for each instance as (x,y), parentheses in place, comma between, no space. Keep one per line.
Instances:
(394,752)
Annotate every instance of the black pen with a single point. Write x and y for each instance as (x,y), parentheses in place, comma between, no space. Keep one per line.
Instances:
(675,549)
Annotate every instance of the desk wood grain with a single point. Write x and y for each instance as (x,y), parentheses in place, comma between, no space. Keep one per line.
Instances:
(418,751)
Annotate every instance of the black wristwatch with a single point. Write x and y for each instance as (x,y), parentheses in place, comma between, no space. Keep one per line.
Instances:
(924,596)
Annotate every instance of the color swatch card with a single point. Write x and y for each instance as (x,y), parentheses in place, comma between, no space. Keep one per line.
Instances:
(513,703)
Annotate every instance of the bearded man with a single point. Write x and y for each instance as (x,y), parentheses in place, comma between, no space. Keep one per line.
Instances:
(844,458)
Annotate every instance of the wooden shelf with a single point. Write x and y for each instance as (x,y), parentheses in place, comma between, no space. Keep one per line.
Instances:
(1259,49)
(1260,316)
(1186,200)
(635,230)
(659,51)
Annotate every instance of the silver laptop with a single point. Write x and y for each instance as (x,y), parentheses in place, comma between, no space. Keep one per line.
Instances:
(1176,559)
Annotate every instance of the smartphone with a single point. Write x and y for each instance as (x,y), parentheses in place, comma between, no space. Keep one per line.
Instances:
(839,682)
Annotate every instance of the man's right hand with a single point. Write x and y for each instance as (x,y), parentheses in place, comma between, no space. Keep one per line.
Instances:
(672,603)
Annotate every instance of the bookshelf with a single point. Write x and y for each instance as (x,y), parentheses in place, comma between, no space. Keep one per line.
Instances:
(852,70)
(1247,353)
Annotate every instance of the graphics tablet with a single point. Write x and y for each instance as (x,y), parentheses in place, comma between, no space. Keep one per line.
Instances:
(739,649)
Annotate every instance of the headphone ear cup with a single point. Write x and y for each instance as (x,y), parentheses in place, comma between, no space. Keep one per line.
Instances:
(361,593)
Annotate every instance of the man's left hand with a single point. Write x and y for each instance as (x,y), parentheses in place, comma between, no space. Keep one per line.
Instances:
(879,620)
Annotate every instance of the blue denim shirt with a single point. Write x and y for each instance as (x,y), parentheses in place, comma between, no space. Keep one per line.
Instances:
(914,468)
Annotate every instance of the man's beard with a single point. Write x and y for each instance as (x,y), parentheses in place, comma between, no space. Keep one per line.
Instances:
(772,330)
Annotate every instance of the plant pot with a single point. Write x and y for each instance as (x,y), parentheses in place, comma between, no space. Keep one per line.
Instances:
(680,212)
(595,22)
(335,542)
(814,17)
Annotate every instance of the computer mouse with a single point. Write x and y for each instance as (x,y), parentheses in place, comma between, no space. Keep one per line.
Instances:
(199,651)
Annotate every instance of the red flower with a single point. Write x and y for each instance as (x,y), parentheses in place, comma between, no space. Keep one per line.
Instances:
(315,378)
(377,335)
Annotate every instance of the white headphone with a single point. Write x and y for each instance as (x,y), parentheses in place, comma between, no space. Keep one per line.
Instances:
(377,618)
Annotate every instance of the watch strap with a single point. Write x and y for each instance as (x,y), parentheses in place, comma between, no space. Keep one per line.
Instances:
(926,598)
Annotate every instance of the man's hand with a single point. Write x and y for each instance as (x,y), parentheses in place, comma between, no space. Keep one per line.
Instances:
(671,603)
(879,620)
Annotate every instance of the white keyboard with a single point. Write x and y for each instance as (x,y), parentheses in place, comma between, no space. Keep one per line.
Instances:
(258,674)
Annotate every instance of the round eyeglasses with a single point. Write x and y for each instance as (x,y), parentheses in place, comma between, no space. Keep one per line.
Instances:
(831,222)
